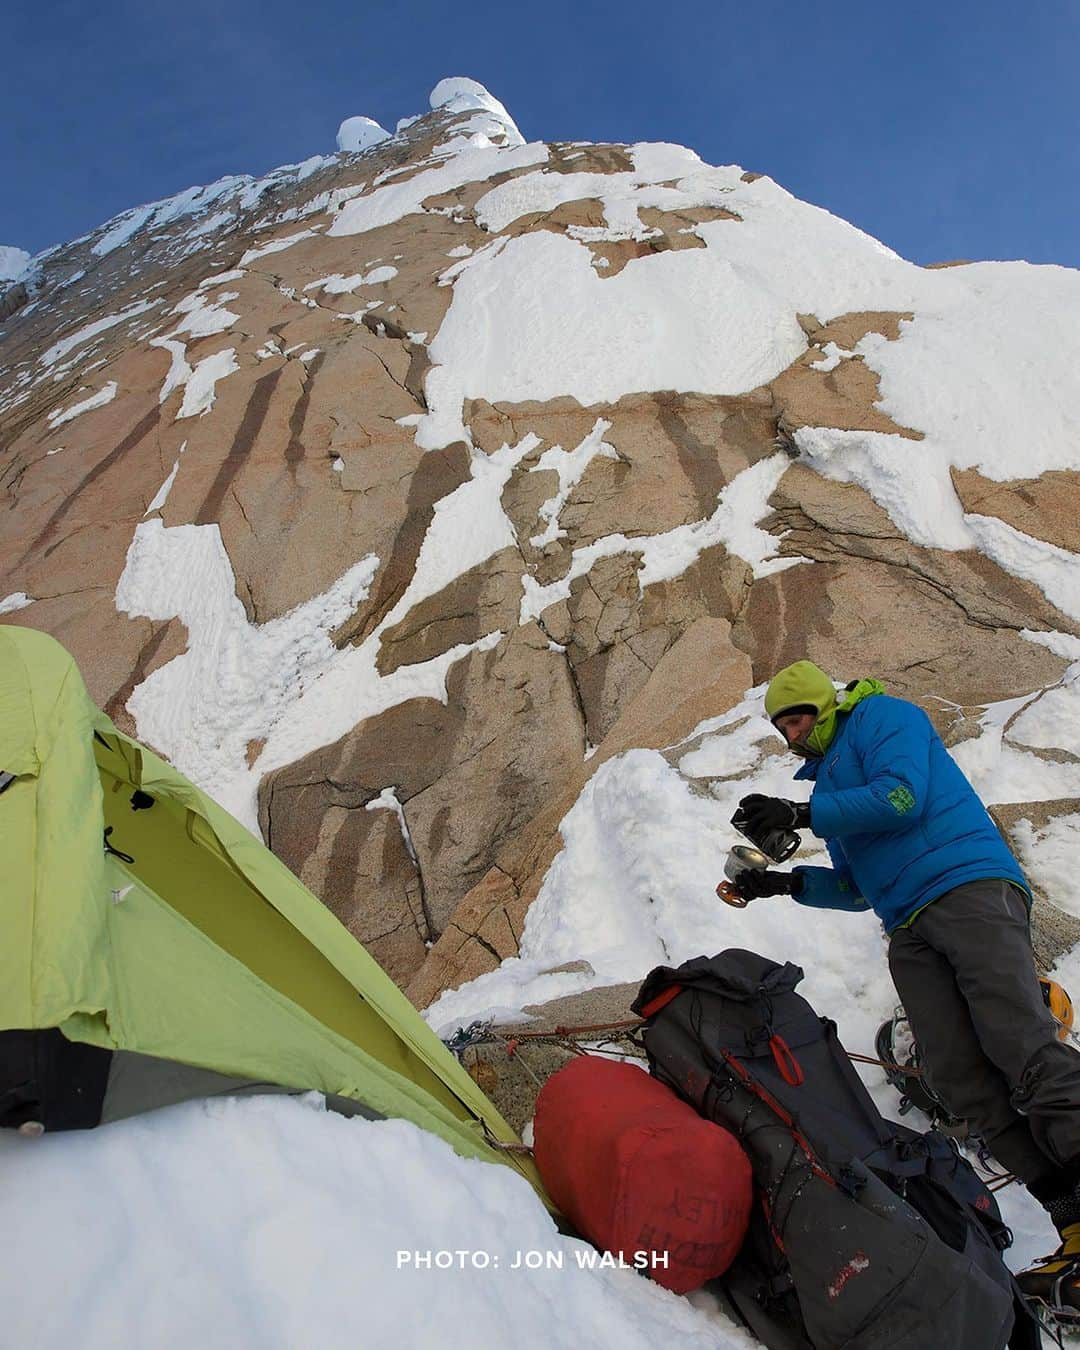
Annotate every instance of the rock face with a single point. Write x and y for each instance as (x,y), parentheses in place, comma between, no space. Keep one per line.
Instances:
(402,636)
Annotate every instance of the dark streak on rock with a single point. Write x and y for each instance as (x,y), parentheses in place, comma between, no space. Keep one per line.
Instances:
(251,423)
(134,437)
(294,451)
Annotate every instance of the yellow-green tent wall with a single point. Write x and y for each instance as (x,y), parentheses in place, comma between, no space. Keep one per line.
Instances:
(205,949)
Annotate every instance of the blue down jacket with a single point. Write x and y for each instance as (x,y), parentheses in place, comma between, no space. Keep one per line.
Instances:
(901,822)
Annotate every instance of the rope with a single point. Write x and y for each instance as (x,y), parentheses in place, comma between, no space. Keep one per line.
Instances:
(884,1064)
(483,1033)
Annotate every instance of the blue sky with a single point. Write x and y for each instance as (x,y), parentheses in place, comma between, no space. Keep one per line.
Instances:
(948,129)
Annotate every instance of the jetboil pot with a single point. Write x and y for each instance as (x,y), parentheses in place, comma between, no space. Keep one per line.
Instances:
(771,846)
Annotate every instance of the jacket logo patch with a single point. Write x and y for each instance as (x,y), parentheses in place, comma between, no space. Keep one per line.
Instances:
(901,800)
(858,1263)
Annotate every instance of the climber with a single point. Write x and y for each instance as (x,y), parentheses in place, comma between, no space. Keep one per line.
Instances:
(909,838)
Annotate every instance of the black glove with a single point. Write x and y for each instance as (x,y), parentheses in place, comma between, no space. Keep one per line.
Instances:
(757,882)
(762,814)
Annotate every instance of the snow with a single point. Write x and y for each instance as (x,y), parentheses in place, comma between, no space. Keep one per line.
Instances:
(393,201)
(16,600)
(910,479)
(201,384)
(275,246)
(211,223)
(1001,771)
(740,505)
(388,800)
(569,465)
(82,335)
(459,95)
(14,263)
(179,371)
(221,278)
(832,357)
(621,193)
(1054,570)
(235,679)
(1048,856)
(203,318)
(357,134)
(535,321)
(161,496)
(126,225)
(336,284)
(192,201)
(978,371)
(104,395)
(284,682)
(468,525)
(634,887)
(1052,719)
(272,1222)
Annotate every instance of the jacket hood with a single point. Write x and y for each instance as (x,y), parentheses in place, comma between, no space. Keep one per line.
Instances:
(797,685)
(806,685)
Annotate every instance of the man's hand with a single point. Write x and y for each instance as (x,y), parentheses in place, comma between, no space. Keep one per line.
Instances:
(757,882)
(762,814)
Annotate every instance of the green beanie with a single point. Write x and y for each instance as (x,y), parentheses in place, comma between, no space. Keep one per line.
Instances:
(804,685)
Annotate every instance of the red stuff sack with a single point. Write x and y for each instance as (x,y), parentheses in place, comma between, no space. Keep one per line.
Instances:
(640,1173)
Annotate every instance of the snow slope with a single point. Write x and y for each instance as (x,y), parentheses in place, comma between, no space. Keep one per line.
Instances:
(271,1223)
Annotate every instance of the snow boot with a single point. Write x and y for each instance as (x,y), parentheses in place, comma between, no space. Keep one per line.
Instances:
(1054,1282)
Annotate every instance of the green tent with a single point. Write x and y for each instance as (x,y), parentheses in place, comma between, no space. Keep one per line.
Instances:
(184,947)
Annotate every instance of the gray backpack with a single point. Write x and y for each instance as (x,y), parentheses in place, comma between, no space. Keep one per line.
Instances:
(867,1235)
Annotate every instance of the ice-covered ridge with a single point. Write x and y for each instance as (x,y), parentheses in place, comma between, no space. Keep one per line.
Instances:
(217,205)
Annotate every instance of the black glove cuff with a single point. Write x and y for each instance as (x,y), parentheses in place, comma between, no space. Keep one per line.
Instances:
(802,815)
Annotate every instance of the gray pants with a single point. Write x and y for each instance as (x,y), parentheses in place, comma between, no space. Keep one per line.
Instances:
(966,976)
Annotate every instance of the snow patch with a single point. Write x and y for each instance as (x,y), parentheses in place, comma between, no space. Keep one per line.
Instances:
(740,505)
(201,385)
(909,479)
(1048,856)
(388,800)
(276,246)
(234,681)
(104,395)
(163,491)
(82,335)
(393,201)
(336,284)
(535,321)
(16,600)
(569,465)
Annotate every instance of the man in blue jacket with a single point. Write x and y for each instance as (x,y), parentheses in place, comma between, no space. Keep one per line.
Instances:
(909,838)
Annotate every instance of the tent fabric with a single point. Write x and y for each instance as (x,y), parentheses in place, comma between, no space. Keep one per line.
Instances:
(205,949)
